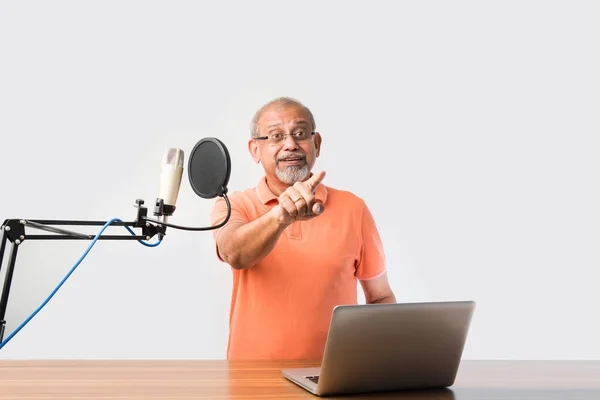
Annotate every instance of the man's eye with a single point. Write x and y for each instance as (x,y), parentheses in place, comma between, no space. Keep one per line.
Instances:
(276,135)
(300,134)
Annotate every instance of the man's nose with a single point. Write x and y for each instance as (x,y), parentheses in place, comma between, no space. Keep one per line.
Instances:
(289,143)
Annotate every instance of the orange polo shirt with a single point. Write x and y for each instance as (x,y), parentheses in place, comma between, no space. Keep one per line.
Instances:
(281,307)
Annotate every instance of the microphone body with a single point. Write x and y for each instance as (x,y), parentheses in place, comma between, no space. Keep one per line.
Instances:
(170,180)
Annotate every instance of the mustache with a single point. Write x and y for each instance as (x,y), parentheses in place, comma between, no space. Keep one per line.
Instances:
(288,155)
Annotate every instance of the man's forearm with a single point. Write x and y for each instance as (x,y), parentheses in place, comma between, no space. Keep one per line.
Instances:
(244,245)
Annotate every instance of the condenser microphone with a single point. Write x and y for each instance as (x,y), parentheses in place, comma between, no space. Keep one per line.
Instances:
(170,179)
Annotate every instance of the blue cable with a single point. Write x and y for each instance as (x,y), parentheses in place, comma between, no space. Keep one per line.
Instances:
(69,274)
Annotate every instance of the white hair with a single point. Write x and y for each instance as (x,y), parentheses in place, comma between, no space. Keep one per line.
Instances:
(281,102)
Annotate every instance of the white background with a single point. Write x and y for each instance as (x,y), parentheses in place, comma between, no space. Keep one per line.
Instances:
(470,128)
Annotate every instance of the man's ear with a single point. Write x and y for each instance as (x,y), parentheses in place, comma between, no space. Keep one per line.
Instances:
(317,141)
(254,150)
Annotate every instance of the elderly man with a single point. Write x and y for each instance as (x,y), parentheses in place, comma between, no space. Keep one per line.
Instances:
(296,247)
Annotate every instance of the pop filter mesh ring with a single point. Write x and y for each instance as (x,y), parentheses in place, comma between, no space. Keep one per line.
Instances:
(218,163)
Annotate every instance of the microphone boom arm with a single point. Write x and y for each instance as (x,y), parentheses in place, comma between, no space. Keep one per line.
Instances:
(13,230)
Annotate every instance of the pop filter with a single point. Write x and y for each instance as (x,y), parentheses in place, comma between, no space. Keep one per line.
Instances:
(209,168)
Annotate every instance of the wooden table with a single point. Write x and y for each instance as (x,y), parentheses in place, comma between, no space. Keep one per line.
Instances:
(493,380)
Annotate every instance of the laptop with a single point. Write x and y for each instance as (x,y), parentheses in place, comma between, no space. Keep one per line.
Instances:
(389,347)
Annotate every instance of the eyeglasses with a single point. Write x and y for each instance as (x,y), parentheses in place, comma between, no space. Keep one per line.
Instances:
(274,138)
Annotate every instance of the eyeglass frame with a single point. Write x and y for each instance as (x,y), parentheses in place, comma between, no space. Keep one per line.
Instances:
(312,134)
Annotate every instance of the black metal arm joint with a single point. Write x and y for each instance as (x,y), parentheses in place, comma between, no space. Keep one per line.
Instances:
(14,230)
(148,229)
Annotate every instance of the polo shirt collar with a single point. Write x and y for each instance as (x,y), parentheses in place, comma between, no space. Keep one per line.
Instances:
(265,195)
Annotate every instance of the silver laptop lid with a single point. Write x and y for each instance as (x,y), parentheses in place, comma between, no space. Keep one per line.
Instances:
(386,347)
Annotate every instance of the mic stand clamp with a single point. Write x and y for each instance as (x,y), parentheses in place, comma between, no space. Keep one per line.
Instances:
(162,211)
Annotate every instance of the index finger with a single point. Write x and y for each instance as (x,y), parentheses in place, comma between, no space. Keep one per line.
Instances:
(314,180)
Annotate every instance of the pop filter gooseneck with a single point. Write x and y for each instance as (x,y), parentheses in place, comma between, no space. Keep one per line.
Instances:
(209,169)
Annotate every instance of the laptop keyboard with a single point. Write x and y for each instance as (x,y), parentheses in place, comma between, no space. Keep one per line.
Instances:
(314,379)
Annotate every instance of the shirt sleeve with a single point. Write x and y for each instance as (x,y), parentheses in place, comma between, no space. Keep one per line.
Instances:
(372,262)
(219,213)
